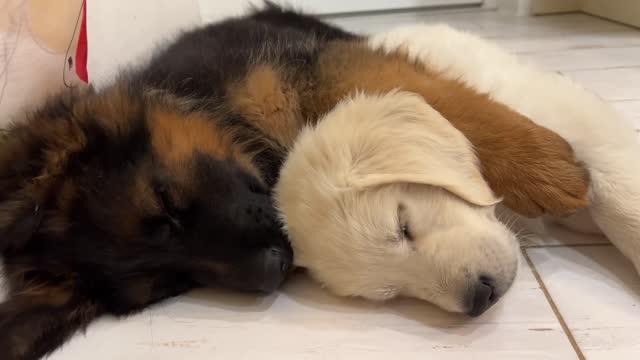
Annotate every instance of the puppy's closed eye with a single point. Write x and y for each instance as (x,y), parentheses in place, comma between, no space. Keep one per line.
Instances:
(253,183)
(404,228)
(170,212)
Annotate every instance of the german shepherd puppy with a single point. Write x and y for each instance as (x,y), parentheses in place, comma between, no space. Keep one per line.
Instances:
(114,199)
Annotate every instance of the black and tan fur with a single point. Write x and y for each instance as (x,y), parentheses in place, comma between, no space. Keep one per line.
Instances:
(115,199)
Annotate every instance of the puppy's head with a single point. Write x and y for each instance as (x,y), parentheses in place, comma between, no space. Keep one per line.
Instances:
(384,198)
(119,185)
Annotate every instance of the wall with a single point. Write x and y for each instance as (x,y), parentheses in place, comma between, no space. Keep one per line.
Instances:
(34,37)
(624,11)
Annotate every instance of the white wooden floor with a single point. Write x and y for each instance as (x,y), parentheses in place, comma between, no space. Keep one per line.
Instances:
(575,296)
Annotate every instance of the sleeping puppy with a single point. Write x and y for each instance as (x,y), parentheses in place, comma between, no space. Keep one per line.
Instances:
(389,234)
(601,138)
(385,198)
(111,201)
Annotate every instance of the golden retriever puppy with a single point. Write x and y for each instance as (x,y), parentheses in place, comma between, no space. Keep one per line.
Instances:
(384,197)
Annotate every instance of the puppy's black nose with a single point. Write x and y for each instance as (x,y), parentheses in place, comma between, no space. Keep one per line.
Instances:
(482,295)
(277,263)
(281,259)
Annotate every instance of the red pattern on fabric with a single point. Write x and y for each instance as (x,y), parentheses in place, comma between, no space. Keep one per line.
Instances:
(82,48)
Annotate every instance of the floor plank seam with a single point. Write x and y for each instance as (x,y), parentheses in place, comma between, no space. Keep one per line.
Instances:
(603,69)
(576,48)
(554,307)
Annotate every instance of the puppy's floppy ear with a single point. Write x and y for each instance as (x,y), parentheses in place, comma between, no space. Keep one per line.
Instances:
(399,138)
(33,155)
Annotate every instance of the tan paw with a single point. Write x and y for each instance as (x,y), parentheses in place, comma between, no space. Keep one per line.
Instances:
(538,175)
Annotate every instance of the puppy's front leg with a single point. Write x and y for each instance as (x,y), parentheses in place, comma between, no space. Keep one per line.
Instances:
(33,325)
(37,320)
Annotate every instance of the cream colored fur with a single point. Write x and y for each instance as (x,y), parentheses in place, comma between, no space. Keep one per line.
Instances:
(372,165)
(599,136)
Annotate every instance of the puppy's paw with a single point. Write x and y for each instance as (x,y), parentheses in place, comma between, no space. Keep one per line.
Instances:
(541,176)
(542,195)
